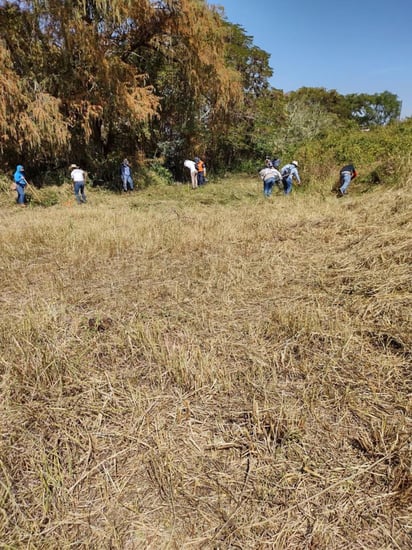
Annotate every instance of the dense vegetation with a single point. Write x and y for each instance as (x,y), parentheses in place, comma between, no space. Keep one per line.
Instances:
(94,81)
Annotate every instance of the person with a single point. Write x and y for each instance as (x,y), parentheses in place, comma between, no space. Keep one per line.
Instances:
(269,176)
(126,175)
(20,183)
(268,163)
(201,171)
(191,165)
(79,179)
(290,171)
(276,163)
(346,175)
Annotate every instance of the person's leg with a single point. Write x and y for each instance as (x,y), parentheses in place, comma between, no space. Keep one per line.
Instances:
(82,193)
(124,183)
(345,180)
(20,193)
(287,185)
(269,187)
(77,185)
(193,176)
(130,182)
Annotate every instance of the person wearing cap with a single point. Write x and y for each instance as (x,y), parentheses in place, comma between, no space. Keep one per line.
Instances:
(290,172)
(126,175)
(201,171)
(20,183)
(79,179)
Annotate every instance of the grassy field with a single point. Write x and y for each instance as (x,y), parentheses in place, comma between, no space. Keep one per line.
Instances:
(207,370)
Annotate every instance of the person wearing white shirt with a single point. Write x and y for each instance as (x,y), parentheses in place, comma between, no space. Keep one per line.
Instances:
(79,179)
(191,165)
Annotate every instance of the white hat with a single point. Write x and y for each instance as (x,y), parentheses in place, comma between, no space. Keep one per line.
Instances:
(295,162)
(72,166)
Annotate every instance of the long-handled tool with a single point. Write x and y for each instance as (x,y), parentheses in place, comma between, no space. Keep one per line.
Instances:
(32,190)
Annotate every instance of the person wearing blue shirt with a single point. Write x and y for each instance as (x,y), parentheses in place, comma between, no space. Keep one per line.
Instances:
(20,183)
(126,175)
(290,172)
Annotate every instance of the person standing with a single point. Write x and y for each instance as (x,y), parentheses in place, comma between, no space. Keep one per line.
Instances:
(20,183)
(191,165)
(346,175)
(126,175)
(290,172)
(79,179)
(269,176)
(201,171)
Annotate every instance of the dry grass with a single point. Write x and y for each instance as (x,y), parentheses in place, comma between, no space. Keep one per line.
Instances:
(206,369)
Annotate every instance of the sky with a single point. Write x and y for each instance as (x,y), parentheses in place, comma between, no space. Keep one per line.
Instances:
(352,46)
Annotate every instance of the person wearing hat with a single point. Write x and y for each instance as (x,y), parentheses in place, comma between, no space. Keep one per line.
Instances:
(290,171)
(20,183)
(79,179)
(126,175)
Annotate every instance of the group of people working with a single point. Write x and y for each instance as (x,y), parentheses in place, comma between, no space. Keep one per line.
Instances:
(271,175)
(197,170)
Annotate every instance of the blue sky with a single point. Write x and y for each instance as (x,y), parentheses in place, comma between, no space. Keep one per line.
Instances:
(352,46)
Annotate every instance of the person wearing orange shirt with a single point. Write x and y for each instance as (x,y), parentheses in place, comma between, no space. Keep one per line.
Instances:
(201,171)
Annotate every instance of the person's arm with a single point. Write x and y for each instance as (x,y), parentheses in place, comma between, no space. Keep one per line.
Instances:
(297,176)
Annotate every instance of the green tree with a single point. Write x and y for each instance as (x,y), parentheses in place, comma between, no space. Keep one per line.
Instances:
(374,109)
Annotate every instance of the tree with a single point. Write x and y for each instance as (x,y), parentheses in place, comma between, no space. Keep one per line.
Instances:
(123,75)
(374,109)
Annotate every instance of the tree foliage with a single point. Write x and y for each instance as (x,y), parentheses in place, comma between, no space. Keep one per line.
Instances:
(374,109)
(110,69)
(93,80)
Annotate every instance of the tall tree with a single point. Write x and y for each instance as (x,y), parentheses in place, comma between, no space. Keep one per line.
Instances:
(374,109)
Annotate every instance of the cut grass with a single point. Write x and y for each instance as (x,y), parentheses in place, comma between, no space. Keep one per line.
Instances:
(184,369)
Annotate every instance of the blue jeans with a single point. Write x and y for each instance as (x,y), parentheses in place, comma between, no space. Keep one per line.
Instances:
(345,179)
(20,193)
(287,185)
(79,191)
(200,178)
(127,183)
(268,186)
